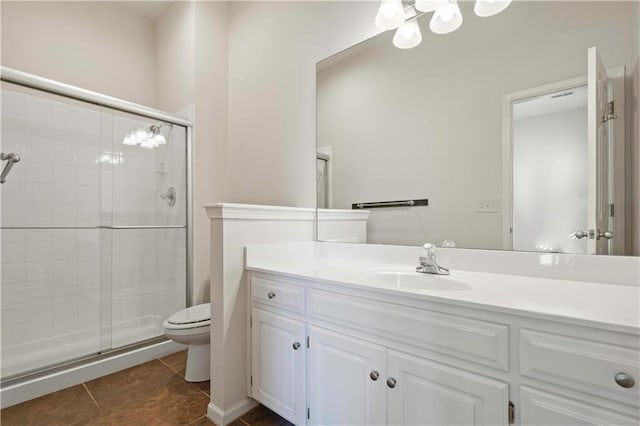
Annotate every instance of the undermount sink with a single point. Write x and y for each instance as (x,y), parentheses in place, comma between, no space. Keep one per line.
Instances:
(416,281)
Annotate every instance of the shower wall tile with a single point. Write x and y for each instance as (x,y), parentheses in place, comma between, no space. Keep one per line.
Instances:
(17,191)
(13,334)
(40,291)
(60,146)
(13,273)
(14,252)
(13,315)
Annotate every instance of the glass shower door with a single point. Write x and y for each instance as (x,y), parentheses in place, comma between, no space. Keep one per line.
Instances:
(148,226)
(50,231)
(92,229)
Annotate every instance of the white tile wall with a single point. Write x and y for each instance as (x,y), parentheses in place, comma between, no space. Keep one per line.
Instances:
(70,292)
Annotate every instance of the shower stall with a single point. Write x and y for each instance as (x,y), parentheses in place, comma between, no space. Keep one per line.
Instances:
(95,225)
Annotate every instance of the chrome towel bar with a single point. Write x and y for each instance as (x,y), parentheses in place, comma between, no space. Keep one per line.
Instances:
(401,203)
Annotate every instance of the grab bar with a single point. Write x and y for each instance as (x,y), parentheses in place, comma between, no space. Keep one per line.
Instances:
(402,203)
(11,159)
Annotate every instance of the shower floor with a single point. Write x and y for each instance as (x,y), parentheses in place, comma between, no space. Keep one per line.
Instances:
(45,352)
(153,393)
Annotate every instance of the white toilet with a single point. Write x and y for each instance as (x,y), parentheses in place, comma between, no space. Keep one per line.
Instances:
(191,326)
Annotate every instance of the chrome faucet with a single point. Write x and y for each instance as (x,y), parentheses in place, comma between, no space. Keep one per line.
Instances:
(429,262)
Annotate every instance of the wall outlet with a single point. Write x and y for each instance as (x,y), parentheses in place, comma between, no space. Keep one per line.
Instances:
(488,206)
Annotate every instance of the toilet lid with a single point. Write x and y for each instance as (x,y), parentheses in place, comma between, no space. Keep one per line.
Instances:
(191,315)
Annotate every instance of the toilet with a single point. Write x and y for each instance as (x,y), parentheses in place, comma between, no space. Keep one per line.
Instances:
(191,326)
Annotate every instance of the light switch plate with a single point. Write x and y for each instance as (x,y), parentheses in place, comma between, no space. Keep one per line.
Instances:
(488,206)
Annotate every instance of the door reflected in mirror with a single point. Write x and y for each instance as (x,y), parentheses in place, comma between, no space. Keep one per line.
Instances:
(511,127)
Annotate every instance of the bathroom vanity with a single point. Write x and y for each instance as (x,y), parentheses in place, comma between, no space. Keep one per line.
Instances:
(351,334)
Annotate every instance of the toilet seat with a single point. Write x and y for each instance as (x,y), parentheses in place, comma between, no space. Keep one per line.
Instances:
(193,317)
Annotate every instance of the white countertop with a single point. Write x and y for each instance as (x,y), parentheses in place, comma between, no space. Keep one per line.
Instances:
(607,305)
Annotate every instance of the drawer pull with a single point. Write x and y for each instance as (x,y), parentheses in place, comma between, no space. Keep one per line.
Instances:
(391,382)
(296,345)
(625,380)
(374,375)
(271,295)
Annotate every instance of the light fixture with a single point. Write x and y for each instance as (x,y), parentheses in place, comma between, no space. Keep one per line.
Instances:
(390,15)
(429,5)
(408,35)
(486,8)
(149,138)
(447,18)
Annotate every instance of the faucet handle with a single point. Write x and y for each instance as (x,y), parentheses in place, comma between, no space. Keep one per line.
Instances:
(429,251)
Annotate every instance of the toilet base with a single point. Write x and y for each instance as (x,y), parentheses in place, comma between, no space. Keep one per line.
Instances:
(198,363)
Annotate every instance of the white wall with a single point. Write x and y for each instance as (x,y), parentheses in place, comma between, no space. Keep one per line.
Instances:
(93,45)
(174,53)
(192,70)
(273,49)
(426,123)
(210,150)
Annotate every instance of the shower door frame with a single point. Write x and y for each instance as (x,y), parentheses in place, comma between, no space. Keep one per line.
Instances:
(42,84)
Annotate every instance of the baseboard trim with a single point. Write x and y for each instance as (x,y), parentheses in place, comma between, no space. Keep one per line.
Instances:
(224,417)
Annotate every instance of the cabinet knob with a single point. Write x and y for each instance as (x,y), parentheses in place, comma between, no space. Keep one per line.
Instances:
(374,375)
(271,295)
(391,382)
(296,345)
(625,380)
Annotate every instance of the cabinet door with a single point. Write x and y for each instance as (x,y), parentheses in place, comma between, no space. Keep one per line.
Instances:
(423,392)
(346,380)
(278,364)
(545,408)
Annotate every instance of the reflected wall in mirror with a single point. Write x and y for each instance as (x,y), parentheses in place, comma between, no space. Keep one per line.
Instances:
(491,124)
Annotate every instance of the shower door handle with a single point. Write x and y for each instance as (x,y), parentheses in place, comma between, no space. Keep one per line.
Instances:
(11,159)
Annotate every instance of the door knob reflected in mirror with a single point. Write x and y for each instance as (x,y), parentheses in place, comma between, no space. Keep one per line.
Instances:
(580,234)
(606,234)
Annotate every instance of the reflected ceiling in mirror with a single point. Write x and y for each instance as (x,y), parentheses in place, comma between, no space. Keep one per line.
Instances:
(489,123)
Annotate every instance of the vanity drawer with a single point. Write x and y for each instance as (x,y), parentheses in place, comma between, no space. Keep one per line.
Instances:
(474,340)
(573,361)
(278,295)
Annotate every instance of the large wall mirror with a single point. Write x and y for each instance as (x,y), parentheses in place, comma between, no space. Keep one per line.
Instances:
(492,125)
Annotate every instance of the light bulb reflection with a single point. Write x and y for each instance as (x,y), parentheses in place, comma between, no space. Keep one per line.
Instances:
(429,5)
(446,13)
(408,35)
(390,15)
(485,8)
(446,19)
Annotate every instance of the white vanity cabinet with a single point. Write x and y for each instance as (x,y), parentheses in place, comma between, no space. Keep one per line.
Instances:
(368,358)
(278,348)
(346,380)
(429,393)
(355,382)
(278,364)
(589,371)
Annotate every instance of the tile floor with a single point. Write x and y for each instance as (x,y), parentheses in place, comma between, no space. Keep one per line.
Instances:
(153,393)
